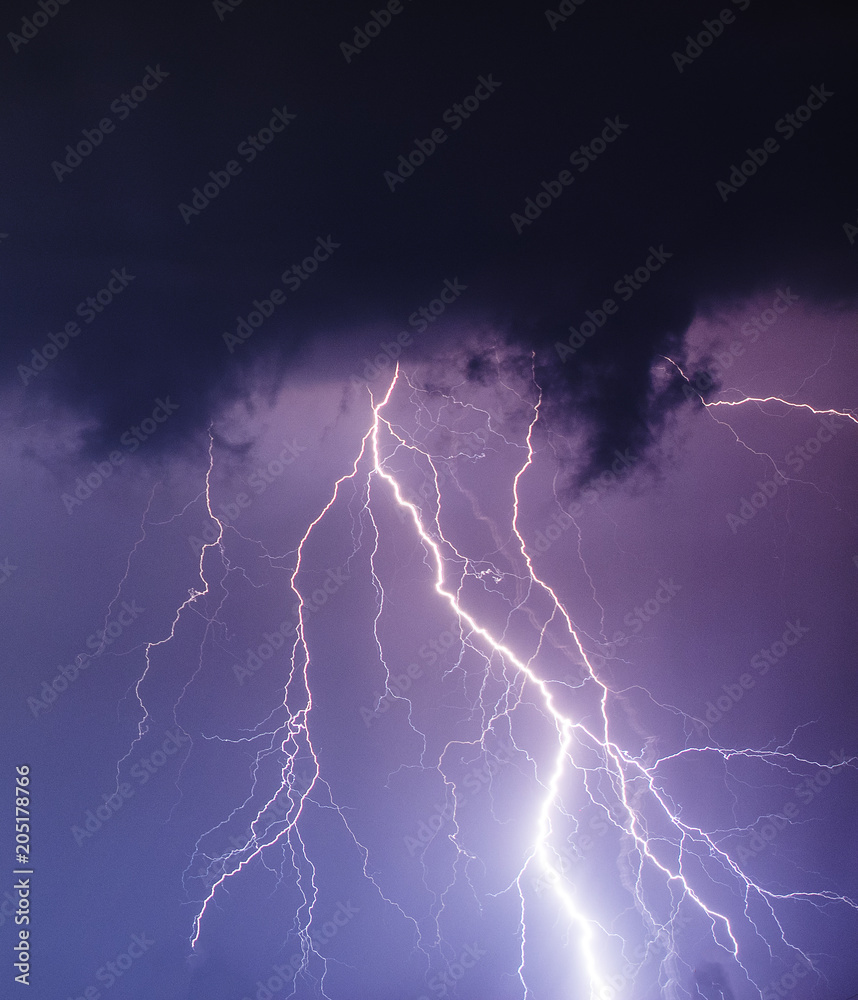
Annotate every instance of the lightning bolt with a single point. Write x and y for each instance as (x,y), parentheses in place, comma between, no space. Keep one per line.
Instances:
(759,400)
(673,874)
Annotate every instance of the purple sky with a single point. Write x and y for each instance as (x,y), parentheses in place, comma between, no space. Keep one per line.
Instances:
(535,681)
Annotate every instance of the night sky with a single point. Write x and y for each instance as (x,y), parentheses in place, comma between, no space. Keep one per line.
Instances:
(428,557)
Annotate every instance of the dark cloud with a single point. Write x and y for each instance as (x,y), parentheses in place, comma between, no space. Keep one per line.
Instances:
(541,94)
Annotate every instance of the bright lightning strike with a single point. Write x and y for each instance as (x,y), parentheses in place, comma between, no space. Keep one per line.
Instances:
(675,876)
